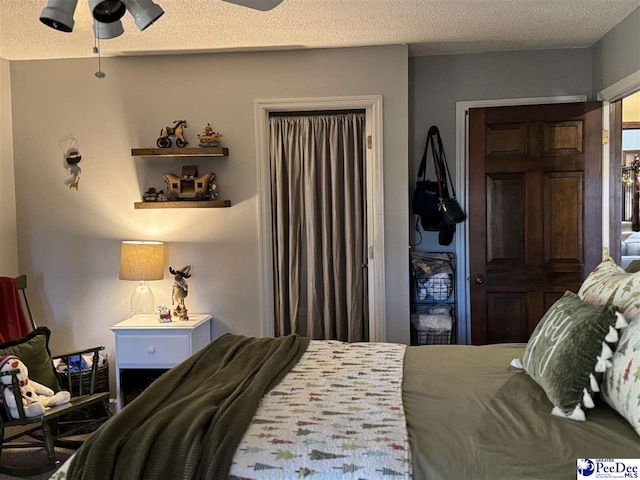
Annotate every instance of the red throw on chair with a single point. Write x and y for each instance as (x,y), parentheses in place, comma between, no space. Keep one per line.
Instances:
(13,322)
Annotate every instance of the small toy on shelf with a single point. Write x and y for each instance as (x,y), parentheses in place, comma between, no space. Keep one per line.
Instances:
(176,131)
(213,191)
(209,138)
(179,291)
(164,314)
(150,195)
(189,185)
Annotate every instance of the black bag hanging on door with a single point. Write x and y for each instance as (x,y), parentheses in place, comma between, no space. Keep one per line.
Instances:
(426,197)
(425,205)
(452,212)
(436,209)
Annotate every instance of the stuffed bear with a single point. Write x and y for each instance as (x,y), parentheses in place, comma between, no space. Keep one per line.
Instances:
(35,396)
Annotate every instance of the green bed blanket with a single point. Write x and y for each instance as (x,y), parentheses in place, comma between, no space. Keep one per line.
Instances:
(189,423)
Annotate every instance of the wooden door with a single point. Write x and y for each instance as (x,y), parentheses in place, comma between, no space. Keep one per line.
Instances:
(535,229)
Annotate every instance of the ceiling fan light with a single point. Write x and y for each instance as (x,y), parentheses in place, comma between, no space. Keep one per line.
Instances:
(144,12)
(107,11)
(58,14)
(105,31)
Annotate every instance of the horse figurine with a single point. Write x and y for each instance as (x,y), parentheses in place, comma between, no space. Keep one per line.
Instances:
(179,291)
(176,131)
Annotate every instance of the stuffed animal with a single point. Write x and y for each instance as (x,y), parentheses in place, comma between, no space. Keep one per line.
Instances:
(35,396)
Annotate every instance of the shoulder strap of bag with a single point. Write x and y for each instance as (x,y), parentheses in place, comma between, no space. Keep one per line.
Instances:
(422,171)
(443,160)
(440,161)
(433,132)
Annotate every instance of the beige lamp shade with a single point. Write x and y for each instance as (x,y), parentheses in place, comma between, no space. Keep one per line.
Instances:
(142,261)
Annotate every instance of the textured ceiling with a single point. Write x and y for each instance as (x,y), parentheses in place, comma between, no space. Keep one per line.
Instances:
(427,26)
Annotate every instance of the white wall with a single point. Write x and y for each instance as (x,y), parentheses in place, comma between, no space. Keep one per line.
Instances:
(70,240)
(8,231)
(436,83)
(617,54)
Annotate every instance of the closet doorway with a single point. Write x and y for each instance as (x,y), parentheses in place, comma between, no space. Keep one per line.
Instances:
(612,163)
(624,158)
(372,267)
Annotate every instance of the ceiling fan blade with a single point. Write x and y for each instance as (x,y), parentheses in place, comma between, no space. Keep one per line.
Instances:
(262,5)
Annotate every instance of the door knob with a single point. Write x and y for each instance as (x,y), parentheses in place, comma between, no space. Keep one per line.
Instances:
(479,279)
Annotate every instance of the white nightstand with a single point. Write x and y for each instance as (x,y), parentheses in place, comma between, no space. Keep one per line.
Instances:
(144,344)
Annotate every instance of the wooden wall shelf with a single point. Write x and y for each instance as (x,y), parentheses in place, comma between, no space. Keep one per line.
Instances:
(180,152)
(184,204)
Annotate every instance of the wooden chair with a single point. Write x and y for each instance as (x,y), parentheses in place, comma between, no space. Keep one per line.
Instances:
(45,430)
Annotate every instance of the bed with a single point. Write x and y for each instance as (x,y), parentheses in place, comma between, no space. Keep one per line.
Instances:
(430,412)
(470,415)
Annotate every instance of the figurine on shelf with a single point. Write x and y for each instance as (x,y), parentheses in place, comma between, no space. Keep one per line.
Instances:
(213,191)
(176,131)
(179,291)
(150,195)
(209,138)
(189,185)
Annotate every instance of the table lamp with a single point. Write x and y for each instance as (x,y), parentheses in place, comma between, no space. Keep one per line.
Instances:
(142,261)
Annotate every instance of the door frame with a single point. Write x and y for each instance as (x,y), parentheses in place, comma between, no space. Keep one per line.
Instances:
(622,88)
(372,105)
(463,309)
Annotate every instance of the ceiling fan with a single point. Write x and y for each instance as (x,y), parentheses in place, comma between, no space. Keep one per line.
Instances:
(106,14)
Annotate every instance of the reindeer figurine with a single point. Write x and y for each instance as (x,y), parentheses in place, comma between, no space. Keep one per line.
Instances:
(179,291)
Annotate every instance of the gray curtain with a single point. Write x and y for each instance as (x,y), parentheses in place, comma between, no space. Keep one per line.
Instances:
(319,198)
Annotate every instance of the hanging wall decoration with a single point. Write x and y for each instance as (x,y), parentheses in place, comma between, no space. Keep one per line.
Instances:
(69,146)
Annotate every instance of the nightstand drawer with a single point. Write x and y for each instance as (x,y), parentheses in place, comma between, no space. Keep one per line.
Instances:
(145,348)
(153,349)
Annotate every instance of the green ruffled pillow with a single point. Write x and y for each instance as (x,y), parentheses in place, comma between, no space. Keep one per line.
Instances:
(33,350)
(568,352)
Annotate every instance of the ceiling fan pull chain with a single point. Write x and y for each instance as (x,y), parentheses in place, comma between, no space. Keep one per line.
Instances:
(96,49)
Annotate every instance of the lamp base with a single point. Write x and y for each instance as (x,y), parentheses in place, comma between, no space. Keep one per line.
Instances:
(142,301)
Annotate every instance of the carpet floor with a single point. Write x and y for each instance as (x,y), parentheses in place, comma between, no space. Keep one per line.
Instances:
(29,457)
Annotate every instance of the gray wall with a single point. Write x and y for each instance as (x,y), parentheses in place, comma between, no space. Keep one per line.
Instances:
(69,241)
(437,83)
(617,54)
(8,231)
